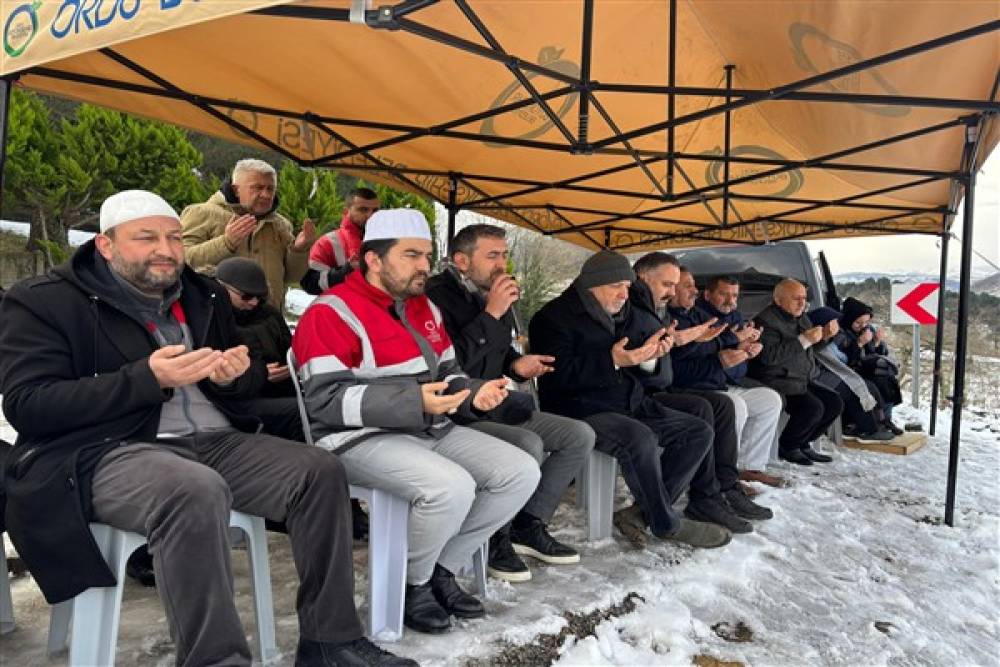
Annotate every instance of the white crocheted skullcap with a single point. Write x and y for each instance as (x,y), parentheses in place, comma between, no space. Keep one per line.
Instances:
(130,205)
(397,223)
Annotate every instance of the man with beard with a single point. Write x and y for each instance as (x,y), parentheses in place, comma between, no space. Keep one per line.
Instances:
(662,452)
(241,220)
(379,378)
(786,364)
(337,253)
(476,296)
(760,412)
(658,275)
(119,370)
(718,367)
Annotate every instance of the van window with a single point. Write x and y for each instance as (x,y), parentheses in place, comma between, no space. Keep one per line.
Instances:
(777,260)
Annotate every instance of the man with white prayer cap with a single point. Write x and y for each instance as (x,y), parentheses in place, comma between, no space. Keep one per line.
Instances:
(379,379)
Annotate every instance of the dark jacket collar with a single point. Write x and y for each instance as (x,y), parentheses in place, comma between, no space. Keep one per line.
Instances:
(641,297)
(226,188)
(591,306)
(703,304)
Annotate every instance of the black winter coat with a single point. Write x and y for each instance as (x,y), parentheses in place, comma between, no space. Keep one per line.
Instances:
(642,323)
(76,383)
(266,334)
(585,380)
(783,364)
(483,344)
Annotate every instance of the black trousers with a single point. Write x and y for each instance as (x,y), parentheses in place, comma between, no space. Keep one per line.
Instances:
(809,415)
(865,421)
(718,411)
(662,453)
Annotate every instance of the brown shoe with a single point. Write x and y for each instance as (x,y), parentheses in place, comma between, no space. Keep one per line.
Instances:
(632,524)
(763,478)
(748,490)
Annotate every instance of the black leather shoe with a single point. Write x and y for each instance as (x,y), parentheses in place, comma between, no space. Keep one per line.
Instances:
(357,653)
(533,539)
(716,510)
(139,566)
(795,456)
(450,596)
(503,562)
(422,612)
(743,506)
(813,455)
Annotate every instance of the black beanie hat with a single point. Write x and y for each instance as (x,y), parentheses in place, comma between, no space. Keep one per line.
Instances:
(853,309)
(243,274)
(604,268)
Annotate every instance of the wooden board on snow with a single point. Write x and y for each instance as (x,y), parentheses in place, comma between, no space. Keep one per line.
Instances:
(904,444)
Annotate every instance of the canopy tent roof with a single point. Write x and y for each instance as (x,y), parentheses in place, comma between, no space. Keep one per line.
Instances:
(627,124)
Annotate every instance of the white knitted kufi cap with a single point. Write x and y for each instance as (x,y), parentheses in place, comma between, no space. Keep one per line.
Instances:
(397,223)
(130,205)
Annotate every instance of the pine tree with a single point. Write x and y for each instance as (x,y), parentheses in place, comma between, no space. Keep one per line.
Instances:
(323,207)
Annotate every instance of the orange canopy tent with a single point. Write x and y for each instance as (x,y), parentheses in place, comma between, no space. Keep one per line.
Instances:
(628,124)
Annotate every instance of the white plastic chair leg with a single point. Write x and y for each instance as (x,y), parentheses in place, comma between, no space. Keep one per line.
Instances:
(479,558)
(387,556)
(6,603)
(97,611)
(600,479)
(260,580)
(59,619)
(582,479)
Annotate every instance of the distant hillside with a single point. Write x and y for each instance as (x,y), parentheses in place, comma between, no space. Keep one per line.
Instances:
(989,285)
(980,279)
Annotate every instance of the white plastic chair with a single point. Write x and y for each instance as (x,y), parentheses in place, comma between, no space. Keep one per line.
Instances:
(595,492)
(388,517)
(6,601)
(94,614)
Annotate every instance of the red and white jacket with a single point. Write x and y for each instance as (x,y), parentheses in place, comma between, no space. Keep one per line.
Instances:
(362,356)
(331,255)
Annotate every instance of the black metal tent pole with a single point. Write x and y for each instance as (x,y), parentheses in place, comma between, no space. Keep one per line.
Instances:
(586,50)
(671,109)
(726,150)
(939,335)
(962,334)
(6,86)
(452,209)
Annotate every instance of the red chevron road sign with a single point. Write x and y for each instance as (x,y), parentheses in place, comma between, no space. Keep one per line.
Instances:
(914,303)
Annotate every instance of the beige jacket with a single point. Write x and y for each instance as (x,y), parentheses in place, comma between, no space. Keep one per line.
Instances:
(270,244)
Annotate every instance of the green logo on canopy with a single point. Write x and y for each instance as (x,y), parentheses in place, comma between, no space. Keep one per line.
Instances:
(530,121)
(784,184)
(810,45)
(20,28)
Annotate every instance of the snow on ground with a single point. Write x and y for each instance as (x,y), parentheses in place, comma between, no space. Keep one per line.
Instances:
(856,568)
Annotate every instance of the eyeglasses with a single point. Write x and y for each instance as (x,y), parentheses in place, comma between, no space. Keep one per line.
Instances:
(243,296)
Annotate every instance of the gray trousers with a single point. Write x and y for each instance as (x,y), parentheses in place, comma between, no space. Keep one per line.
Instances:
(179,497)
(461,488)
(568,443)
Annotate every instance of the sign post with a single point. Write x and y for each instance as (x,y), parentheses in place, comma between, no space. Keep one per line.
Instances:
(915,304)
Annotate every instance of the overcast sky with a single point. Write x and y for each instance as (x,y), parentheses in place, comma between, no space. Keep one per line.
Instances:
(891,254)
